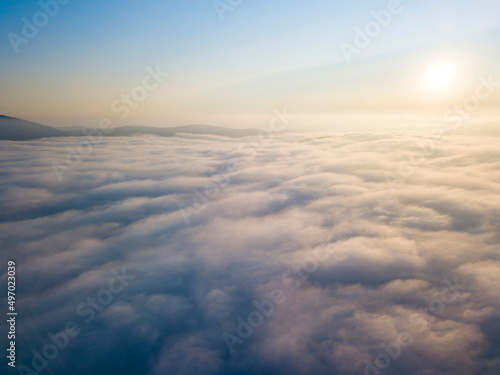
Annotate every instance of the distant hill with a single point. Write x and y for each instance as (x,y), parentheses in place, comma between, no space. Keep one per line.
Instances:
(191,129)
(76,128)
(14,129)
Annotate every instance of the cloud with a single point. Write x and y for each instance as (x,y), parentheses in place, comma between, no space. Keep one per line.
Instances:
(359,263)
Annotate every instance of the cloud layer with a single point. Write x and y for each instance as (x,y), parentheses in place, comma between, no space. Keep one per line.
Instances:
(362,264)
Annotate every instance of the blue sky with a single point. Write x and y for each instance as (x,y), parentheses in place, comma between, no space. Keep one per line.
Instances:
(234,72)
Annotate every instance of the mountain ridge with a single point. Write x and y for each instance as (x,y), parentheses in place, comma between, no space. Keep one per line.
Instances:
(15,129)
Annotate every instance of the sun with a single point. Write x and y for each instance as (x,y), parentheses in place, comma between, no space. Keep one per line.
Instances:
(440,77)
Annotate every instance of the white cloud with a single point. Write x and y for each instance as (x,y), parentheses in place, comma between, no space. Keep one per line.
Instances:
(392,252)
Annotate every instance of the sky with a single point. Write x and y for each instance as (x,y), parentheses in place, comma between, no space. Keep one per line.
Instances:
(232,67)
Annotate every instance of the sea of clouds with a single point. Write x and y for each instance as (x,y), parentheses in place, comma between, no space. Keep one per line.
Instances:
(301,254)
